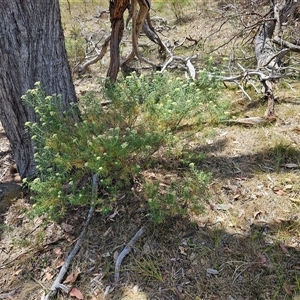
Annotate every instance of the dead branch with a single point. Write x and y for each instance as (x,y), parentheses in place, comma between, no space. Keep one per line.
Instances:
(82,68)
(282,42)
(57,285)
(125,252)
(138,19)
(267,84)
(254,121)
(261,75)
(186,61)
(152,35)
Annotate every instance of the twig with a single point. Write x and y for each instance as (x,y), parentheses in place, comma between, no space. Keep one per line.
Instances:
(243,90)
(8,295)
(57,283)
(126,251)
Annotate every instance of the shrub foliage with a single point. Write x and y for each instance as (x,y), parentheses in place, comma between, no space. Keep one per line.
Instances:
(117,141)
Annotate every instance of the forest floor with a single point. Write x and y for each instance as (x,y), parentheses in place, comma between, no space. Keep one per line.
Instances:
(245,245)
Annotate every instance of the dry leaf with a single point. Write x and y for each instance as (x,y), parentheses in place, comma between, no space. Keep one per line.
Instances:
(295,200)
(236,196)
(288,187)
(112,216)
(71,278)
(257,214)
(263,260)
(223,206)
(67,227)
(135,289)
(212,271)
(182,250)
(76,293)
(174,259)
(251,121)
(48,276)
(107,231)
(296,267)
(116,255)
(284,249)
(280,192)
(57,251)
(59,263)
(288,289)
(180,292)
(147,248)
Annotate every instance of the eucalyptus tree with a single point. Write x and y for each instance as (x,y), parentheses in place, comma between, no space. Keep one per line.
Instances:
(31,49)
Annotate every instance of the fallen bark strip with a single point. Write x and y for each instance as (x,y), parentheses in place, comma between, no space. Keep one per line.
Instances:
(126,251)
(57,283)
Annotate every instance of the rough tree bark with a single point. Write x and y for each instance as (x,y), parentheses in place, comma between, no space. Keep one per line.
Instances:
(149,30)
(116,9)
(140,20)
(31,49)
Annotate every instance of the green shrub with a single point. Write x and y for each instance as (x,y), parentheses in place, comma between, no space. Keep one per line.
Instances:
(75,46)
(168,102)
(185,194)
(116,142)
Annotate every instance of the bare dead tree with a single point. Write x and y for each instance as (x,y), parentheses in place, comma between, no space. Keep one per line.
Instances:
(139,13)
(273,28)
(141,22)
(271,32)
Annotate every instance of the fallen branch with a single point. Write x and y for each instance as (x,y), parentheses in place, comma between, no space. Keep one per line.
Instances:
(290,46)
(82,68)
(187,62)
(57,283)
(254,121)
(126,251)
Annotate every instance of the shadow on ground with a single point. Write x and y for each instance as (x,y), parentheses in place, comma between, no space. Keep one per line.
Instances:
(181,260)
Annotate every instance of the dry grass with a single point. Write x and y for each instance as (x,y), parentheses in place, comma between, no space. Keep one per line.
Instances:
(245,246)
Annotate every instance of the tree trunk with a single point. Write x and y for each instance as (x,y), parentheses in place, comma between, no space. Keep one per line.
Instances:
(116,9)
(31,49)
(152,35)
(266,54)
(266,58)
